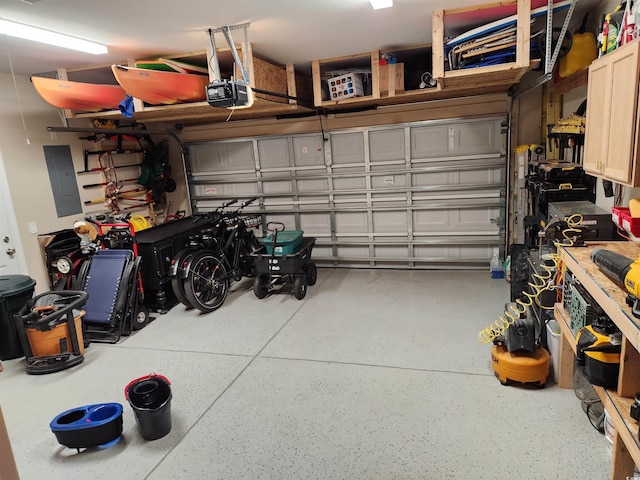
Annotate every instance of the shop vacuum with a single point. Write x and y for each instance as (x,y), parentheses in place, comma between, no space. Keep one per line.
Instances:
(51,331)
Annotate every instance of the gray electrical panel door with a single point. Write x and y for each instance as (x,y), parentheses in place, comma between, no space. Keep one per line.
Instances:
(420,195)
(63,180)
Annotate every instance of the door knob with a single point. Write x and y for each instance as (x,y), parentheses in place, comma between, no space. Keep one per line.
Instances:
(11,251)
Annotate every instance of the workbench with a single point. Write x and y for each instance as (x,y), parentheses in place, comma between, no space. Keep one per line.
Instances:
(612,299)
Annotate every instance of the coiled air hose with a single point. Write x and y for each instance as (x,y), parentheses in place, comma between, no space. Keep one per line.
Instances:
(539,283)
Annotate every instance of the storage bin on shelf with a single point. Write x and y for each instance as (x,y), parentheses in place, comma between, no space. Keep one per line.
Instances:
(621,216)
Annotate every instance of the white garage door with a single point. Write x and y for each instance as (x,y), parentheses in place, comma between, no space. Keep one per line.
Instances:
(421,195)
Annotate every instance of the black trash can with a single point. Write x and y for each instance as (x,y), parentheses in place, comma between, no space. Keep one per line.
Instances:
(15,292)
(150,398)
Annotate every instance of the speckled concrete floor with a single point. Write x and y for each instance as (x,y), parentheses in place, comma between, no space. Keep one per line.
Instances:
(374,375)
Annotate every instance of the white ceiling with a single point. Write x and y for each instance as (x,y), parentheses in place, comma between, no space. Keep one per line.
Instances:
(284,31)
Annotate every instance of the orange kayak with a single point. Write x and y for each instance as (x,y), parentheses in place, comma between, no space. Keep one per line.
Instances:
(160,87)
(87,97)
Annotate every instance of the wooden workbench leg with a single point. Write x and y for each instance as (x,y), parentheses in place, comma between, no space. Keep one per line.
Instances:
(565,364)
(622,464)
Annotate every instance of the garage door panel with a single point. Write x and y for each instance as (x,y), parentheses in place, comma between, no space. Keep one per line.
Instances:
(319,185)
(386,145)
(388,181)
(348,251)
(477,219)
(423,179)
(222,157)
(351,222)
(315,224)
(427,220)
(387,251)
(274,153)
(477,138)
(390,222)
(488,177)
(428,142)
(277,187)
(347,148)
(308,150)
(288,220)
(349,183)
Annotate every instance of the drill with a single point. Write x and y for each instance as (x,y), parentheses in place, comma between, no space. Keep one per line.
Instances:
(623,271)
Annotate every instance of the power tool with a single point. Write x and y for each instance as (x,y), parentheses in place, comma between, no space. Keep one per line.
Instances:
(623,271)
(598,349)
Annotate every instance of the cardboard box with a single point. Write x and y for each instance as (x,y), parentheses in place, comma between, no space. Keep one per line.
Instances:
(391,78)
(345,86)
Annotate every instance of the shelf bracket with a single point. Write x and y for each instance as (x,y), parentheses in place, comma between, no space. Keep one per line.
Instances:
(226,31)
(550,59)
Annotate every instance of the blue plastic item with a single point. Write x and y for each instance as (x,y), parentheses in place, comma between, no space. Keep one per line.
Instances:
(88,426)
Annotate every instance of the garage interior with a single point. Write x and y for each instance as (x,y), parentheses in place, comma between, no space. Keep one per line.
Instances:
(416,197)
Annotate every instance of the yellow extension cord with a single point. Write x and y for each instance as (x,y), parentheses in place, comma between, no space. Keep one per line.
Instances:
(539,283)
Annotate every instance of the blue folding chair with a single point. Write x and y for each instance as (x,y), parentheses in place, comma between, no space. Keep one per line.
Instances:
(111,282)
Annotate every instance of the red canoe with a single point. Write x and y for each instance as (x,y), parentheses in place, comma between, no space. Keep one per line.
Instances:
(87,97)
(159,87)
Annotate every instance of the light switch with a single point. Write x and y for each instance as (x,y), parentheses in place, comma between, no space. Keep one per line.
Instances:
(33,228)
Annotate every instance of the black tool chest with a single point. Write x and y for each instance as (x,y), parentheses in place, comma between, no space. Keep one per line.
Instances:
(553,181)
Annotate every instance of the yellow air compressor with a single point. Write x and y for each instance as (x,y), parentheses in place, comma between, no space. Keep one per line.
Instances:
(520,366)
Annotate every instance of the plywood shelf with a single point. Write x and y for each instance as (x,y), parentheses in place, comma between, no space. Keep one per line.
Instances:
(612,299)
(263,75)
(448,23)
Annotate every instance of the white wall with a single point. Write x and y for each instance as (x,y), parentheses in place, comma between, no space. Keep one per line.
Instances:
(21,146)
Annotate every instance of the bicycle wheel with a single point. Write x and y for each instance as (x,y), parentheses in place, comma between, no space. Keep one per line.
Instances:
(177,283)
(207,283)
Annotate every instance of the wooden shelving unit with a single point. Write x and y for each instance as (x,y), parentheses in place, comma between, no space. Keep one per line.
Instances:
(263,75)
(506,74)
(611,298)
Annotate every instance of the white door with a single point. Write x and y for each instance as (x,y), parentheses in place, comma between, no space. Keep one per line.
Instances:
(11,255)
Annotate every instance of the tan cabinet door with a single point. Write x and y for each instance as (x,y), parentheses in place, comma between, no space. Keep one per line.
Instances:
(598,112)
(623,104)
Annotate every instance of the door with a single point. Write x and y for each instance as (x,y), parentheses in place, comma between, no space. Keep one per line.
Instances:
(11,256)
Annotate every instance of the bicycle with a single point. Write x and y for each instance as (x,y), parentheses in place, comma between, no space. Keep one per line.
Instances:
(204,240)
(209,271)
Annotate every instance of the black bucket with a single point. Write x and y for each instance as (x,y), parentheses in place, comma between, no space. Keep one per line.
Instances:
(150,398)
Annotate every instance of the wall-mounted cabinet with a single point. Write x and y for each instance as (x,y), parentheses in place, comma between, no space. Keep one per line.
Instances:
(611,136)
(463,59)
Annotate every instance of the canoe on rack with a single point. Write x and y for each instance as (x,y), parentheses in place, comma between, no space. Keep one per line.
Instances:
(159,87)
(87,97)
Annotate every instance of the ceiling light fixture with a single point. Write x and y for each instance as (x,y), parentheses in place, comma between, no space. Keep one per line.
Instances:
(378,4)
(51,38)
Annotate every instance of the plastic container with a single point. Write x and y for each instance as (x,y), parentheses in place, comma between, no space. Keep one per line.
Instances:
(287,242)
(496,267)
(15,292)
(553,342)
(88,426)
(150,398)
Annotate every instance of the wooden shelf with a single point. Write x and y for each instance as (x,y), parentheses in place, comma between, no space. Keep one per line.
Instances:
(505,74)
(263,75)
(612,299)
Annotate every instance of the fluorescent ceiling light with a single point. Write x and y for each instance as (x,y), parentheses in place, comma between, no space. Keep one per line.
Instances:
(377,4)
(51,38)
